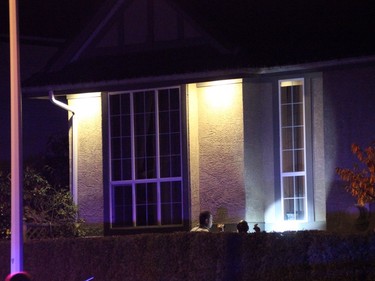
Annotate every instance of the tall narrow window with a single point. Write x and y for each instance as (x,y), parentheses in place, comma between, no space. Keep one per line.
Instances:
(293,149)
(145,156)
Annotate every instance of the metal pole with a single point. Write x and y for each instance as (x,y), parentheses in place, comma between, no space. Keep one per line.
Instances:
(16,259)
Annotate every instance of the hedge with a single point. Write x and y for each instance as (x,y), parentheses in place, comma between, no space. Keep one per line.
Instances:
(304,255)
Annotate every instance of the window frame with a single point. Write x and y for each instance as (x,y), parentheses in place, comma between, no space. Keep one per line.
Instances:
(294,174)
(108,194)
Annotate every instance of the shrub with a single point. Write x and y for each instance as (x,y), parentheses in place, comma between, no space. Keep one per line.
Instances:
(42,203)
(301,255)
(361,179)
(4,207)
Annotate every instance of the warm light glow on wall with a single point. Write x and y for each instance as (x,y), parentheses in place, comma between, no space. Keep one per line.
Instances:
(86,105)
(86,152)
(215,119)
(218,97)
(221,94)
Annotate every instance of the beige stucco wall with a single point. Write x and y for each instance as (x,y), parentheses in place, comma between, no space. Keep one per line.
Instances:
(259,152)
(193,149)
(88,124)
(216,150)
(319,182)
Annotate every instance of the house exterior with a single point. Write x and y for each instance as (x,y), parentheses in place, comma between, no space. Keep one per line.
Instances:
(170,115)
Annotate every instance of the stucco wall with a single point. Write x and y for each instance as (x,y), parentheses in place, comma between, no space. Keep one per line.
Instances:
(259,152)
(89,152)
(349,99)
(318,159)
(193,150)
(217,118)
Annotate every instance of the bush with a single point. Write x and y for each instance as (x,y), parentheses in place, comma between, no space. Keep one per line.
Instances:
(42,204)
(361,179)
(4,207)
(302,255)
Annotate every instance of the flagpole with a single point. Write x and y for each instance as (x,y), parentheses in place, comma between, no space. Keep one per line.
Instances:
(16,261)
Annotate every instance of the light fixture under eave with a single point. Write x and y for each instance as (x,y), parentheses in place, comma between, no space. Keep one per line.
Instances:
(221,95)
(219,83)
(85,104)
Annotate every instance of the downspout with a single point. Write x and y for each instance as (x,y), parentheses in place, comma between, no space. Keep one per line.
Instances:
(74,145)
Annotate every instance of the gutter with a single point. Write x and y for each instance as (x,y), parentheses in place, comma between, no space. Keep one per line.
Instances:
(73,147)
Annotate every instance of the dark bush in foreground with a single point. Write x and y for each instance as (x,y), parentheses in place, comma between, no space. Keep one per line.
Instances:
(306,255)
(44,205)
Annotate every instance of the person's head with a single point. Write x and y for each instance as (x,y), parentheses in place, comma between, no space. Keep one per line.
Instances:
(256,228)
(242,227)
(205,219)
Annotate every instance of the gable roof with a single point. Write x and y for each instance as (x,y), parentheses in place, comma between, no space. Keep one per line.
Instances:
(148,38)
(124,26)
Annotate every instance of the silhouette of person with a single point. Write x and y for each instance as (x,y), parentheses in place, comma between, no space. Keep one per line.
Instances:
(205,222)
(242,227)
(256,228)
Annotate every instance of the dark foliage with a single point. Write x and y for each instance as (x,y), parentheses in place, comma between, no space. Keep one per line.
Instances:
(42,204)
(53,165)
(361,179)
(304,255)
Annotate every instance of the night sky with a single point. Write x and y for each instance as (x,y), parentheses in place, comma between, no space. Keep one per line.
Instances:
(52,19)
(37,114)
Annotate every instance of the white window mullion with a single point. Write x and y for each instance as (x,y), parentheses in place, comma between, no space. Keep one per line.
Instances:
(134,197)
(157,160)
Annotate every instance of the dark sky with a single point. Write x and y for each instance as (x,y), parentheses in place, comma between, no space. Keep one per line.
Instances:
(49,18)
(41,119)
(56,19)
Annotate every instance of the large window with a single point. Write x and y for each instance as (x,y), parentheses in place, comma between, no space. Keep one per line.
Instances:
(145,158)
(293,149)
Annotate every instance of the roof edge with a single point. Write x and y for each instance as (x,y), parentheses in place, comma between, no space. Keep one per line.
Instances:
(193,77)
